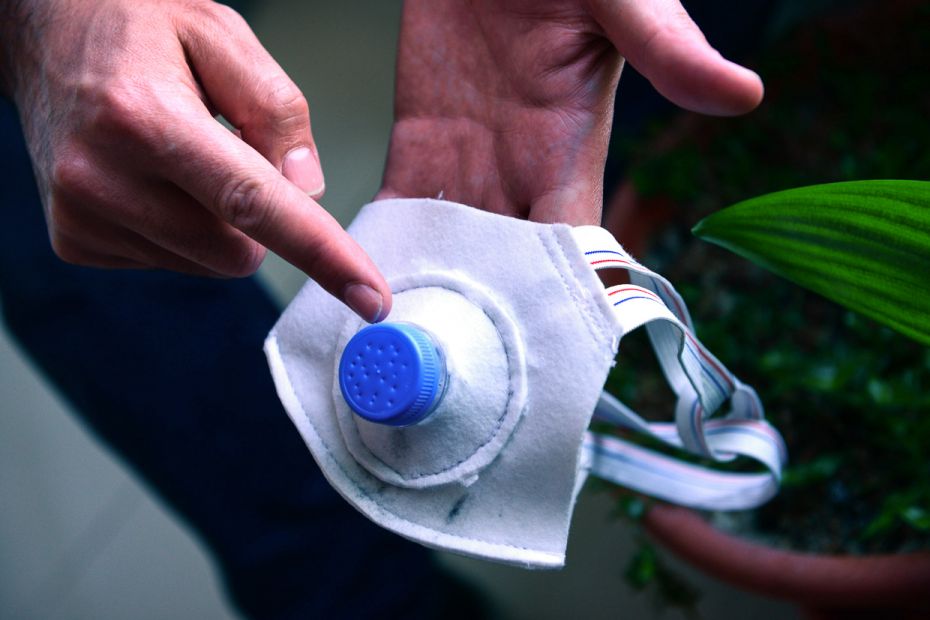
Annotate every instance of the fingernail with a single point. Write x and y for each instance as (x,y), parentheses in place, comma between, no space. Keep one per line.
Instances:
(302,168)
(365,301)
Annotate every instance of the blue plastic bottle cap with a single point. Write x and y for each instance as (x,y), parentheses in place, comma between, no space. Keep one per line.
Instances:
(392,373)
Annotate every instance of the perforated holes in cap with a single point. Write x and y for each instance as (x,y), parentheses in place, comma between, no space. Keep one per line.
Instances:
(391,373)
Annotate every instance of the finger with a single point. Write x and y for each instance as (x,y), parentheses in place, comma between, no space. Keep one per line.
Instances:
(168,218)
(233,181)
(75,252)
(245,84)
(104,245)
(667,47)
(108,205)
(171,219)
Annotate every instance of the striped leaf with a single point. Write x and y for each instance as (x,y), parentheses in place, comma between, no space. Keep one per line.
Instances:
(863,244)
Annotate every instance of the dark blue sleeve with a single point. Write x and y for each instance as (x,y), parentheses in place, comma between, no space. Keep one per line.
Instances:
(168,370)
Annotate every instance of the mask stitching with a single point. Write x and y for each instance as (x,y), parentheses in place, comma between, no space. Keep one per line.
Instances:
(512,369)
(279,362)
(578,265)
(582,311)
(584,304)
(500,420)
(546,236)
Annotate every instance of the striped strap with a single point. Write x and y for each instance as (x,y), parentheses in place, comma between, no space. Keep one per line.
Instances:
(702,386)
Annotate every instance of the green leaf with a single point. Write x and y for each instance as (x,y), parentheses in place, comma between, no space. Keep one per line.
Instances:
(818,470)
(916,517)
(633,507)
(863,244)
(641,569)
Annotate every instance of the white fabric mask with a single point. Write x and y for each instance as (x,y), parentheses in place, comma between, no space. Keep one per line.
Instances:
(527,335)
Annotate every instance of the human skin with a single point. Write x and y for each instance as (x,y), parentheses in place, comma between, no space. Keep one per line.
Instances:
(506,105)
(118,101)
(501,104)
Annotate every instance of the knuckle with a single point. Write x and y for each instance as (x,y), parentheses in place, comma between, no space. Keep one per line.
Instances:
(283,102)
(71,175)
(122,110)
(114,108)
(201,11)
(207,22)
(245,204)
(227,15)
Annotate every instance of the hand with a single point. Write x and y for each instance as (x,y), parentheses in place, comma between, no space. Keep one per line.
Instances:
(506,105)
(118,98)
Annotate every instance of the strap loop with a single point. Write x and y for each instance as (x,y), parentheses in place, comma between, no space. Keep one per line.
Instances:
(701,384)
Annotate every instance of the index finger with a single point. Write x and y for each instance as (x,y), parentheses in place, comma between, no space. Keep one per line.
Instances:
(231,179)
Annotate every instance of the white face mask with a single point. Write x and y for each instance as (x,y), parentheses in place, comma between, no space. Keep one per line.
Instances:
(462,421)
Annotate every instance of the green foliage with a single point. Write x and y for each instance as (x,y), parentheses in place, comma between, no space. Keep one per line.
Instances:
(845,100)
(633,507)
(863,244)
(641,570)
(848,394)
(817,470)
(647,571)
(910,508)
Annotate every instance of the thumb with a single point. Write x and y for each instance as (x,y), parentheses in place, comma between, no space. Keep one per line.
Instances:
(245,84)
(659,38)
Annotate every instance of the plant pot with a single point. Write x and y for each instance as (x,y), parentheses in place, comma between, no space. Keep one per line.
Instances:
(824,586)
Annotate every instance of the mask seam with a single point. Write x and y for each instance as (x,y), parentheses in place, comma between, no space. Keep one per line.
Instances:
(602,336)
(500,419)
(598,334)
(364,493)
(511,370)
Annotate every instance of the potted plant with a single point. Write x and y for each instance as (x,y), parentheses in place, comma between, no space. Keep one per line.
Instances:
(862,488)
(851,526)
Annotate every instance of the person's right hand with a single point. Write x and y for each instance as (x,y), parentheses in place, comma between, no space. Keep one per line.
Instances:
(118,98)
(506,105)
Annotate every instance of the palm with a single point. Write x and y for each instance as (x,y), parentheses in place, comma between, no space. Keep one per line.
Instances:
(506,104)
(503,107)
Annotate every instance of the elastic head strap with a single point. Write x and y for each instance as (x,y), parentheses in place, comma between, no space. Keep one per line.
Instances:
(701,383)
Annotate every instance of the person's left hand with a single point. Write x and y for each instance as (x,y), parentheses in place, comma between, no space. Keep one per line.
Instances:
(506,105)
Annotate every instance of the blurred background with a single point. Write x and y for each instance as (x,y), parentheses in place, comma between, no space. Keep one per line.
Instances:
(80,537)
